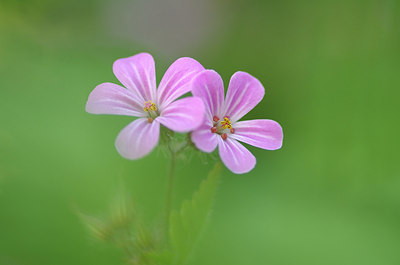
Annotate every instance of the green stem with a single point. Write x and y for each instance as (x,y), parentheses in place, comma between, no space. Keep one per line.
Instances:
(170,188)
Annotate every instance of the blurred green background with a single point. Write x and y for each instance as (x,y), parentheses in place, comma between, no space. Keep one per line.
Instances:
(331,70)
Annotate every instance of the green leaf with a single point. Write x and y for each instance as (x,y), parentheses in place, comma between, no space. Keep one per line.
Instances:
(187,224)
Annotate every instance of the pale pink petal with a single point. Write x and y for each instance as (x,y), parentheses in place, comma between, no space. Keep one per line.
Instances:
(208,86)
(137,73)
(138,138)
(265,134)
(235,156)
(108,98)
(204,139)
(183,115)
(244,93)
(176,80)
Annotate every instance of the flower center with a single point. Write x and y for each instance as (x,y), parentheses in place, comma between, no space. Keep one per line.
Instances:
(226,123)
(222,127)
(151,109)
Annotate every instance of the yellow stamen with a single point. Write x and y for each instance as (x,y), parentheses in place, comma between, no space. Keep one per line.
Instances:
(149,106)
(226,123)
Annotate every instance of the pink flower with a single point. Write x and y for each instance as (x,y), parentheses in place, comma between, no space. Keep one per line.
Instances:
(221,126)
(152,106)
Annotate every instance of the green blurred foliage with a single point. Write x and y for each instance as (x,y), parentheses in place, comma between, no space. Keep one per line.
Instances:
(331,195)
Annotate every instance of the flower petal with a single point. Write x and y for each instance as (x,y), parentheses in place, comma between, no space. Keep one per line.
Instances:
(109,98)
(208,86)
(235,156)
(265,134)
(204,139)
(137,73)
(183,115)
(176,80)
(138,138)
(244,93)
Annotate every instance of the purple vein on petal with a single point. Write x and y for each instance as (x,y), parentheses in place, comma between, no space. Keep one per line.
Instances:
(170,95)
(229,109)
